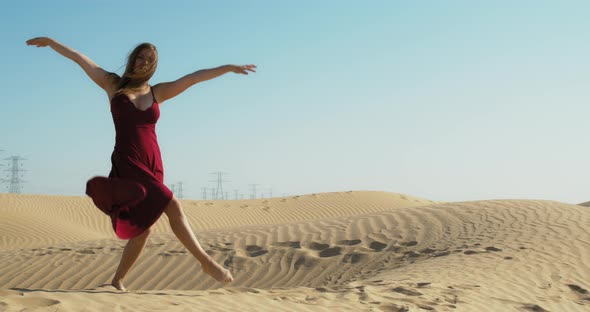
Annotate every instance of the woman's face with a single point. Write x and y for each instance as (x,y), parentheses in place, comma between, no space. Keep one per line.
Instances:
(144,59)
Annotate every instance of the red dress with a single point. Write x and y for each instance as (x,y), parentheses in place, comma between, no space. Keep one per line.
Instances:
(134,194)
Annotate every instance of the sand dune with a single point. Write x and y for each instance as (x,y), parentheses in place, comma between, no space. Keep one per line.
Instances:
(348,251)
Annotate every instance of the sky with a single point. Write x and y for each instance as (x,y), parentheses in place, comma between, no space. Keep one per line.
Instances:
(444,100)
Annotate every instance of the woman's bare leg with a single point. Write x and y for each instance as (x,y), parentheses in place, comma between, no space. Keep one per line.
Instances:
(130,254)
(182,230)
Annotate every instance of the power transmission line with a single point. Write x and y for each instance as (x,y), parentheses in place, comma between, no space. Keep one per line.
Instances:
(253,194)
(180,195)
(15,173)
(219,194)
(177,190)
(1,165)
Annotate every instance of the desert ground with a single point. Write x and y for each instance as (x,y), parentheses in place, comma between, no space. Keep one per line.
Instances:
(343,251)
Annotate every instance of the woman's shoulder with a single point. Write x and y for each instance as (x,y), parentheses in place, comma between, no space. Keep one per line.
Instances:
(113,78)
(114,81)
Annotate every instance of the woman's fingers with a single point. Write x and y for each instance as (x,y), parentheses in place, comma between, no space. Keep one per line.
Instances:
(39,42)
(250,67)
(245,68)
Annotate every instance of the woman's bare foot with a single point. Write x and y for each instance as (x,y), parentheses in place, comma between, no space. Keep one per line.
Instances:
(216,271)
(117,283)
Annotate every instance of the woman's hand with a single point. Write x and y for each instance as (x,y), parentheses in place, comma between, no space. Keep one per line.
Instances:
(95,72)
(244,69)
(40,42)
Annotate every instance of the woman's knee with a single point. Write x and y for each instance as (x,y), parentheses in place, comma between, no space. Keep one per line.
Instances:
(144,235)
(147,231)
(174,210)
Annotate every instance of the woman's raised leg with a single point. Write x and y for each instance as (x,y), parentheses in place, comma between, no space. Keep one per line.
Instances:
(182,230)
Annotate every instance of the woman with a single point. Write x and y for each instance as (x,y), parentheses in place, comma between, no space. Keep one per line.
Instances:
(134,195)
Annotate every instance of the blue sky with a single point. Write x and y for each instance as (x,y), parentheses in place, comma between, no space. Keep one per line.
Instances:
(446,100)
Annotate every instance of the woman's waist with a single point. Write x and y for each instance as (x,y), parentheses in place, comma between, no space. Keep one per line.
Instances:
(141,142)
(134,152)
(122,127)
(136,144)
(135,133)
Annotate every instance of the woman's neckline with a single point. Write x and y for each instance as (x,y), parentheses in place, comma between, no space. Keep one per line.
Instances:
(133,104)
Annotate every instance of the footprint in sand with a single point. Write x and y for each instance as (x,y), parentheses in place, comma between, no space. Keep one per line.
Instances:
(217,247)
(299,263)
(534,308)
(295,245)
(409,244)
(406,291)
(350,242)
(470,252)
(353,257)
(330,252)
(377,246)
(583,295)
(442,254)
(578,289)
(390,307)
(411,254)
(318,246)
(464,286)
(86,251)
(304,261)
(33,303)
(492,248)
(229,262)
(255,251)
(395,249)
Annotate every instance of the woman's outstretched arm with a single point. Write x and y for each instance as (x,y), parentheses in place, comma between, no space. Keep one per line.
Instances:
(95,72)
(168,90)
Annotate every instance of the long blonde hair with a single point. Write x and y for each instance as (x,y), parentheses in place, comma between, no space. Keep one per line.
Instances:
(131,81)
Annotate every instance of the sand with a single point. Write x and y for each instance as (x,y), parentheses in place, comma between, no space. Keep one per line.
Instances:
(347,251)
